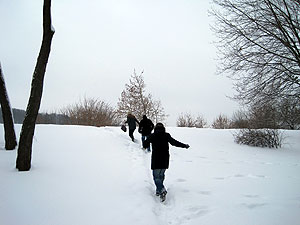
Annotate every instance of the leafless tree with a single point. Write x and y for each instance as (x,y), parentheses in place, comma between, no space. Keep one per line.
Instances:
(157,112)
(135,100)
(9,130)
(25,145)
(259,46)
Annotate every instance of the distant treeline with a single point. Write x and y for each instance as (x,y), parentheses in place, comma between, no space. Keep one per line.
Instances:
(43,118)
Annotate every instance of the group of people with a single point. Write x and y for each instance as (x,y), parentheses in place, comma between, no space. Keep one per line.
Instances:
(145,126)
(160,140)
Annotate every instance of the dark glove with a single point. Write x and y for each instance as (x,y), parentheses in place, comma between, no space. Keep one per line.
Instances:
(187,146)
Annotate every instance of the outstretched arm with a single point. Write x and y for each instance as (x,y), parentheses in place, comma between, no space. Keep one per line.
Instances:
(176,143)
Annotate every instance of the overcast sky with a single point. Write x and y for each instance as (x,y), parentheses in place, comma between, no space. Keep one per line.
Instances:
(98,43)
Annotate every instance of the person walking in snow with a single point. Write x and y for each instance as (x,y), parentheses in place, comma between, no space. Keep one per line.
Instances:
(160,140)
(145,128)
(131,120)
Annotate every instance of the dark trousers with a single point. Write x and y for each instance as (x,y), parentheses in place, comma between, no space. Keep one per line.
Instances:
(143,139)
(131,134)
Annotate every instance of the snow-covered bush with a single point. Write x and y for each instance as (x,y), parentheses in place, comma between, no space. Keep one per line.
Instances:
(259,137)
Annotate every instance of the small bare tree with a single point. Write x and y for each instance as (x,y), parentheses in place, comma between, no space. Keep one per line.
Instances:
(25,145)
(135,100)
(9,130)
(158,112)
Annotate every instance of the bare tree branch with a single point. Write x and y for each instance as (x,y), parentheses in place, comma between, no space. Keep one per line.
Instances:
(259,47)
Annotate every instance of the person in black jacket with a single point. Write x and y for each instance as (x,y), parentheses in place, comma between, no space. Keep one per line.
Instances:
(145,128)
(131,120)
(160,155)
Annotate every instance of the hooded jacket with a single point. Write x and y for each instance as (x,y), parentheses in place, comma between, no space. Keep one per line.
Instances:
(160,147)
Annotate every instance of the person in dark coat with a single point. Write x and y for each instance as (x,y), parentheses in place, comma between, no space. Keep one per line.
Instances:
(145,128)
(131,120)
(160,140)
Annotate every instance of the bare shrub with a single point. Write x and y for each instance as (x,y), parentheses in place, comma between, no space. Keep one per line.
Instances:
(200,122)
(259,138)
(91,112)
(221,122)
(187,120)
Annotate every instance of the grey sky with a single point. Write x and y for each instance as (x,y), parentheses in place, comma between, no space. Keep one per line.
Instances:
(97,44)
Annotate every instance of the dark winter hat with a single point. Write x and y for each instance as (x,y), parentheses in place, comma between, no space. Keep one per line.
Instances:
(159,127)
(144,117)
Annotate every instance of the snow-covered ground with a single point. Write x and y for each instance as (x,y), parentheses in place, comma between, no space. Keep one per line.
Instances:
(93,176)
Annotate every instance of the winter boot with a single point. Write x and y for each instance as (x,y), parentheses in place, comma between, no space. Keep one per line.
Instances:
(163,196)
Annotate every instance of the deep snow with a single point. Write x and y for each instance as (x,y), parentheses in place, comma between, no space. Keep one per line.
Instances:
(93,176)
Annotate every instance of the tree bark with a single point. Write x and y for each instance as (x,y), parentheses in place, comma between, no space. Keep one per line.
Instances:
(25,145)
(9,130)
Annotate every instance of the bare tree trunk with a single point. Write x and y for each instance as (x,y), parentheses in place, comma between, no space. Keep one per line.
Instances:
(25,145)
(9,130)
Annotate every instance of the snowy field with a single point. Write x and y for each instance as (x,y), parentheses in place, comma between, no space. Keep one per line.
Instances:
(95,176)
